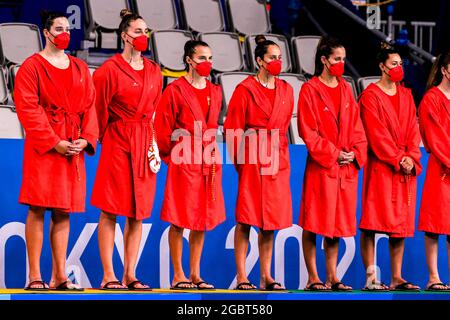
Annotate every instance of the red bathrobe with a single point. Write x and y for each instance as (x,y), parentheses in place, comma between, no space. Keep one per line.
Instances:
(264,194)
(389,196)
(329,193)
(125,104)
(50,114)
(434,117)
(193,197)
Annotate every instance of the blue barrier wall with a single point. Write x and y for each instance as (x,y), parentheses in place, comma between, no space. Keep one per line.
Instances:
(218,258)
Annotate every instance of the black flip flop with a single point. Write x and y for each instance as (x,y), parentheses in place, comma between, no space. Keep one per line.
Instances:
(45,286)
(67,286)
(241,285)
(336,287)
(132,286)
(107,286)
(271,287)
(198,284)
(178,286)
(433,287)
(376,287)
(405,286)
(314,287)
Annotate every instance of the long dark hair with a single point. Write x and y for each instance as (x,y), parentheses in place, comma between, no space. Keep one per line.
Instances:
(189,50)
(127,18)
(48,18)
(262,45)
(442,61)
(325,48)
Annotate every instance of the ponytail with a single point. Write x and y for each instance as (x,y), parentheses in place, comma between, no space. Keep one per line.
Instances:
(435,78)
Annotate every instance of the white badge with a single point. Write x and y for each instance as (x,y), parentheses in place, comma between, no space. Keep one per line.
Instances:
(154,160)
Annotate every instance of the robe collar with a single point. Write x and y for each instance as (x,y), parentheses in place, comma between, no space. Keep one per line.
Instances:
(263,103)
(189,95)
(67,99)
(446,103)
(146,82)
(389,109)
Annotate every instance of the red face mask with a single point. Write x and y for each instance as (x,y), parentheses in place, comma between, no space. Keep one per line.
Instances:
(396,73)
(337,69)
(140,43)
(203,68)
(274,67)
(61,41)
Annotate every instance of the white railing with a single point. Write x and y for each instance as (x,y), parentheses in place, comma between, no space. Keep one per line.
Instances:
(419,28)
(397,25)
(423,32)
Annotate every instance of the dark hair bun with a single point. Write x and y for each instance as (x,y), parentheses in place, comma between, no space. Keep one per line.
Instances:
(124,13)
(260,39)
(44,14)
(48,17)
(386,46)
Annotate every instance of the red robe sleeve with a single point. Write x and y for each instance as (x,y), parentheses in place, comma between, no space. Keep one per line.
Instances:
(31,114)
(378,136)
(165,118)
(413,142)
(437,137)
(235,122)
(160,90)
(89,125)
(359,140)
(104,84)
(321,149)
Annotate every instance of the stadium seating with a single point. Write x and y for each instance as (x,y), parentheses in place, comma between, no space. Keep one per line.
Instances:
(226,50)
(168,48)
(10,127)
(102,20)
(18,42)
(159,15)
(228,82)
(248,16)
(304,53)
(203,15)
(352,84)
(364,82)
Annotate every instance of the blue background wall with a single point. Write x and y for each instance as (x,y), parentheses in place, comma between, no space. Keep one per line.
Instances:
(218,258)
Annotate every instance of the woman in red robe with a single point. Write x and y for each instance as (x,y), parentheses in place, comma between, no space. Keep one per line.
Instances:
(54,98)
(330,124)
(434,120)
(261,106)
(128,88)
(389,190)
(186,121)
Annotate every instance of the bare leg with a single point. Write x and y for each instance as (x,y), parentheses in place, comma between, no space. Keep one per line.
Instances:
(448,254)
(241,242)
(196,242)
(265,243)
(309,251)
(34,234)
(106,232)
(396,249)
(176,253)
(59,237)
(431,252)
(132,240)
(331,256)
(368,257)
